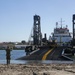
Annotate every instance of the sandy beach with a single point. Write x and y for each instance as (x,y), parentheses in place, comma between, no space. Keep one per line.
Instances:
(37,69)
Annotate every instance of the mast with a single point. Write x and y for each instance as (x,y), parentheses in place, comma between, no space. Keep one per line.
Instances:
(73,29)
(61,22)
(56,24)
(37,31)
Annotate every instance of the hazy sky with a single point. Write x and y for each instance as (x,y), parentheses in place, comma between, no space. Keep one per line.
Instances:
(16,17)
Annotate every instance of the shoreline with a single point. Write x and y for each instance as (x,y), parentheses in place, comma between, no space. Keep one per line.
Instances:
(38,69)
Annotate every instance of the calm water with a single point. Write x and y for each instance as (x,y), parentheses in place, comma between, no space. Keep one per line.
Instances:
(19,53)
(14,55)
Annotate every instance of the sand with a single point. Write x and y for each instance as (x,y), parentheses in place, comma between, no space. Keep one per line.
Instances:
(37,69)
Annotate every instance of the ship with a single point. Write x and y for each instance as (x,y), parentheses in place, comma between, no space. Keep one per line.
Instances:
(61,35)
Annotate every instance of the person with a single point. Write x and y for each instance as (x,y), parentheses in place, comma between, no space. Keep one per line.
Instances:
(8,55)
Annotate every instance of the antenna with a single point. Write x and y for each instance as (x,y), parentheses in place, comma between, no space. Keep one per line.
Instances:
(66,26)
(61,22)
(56,24)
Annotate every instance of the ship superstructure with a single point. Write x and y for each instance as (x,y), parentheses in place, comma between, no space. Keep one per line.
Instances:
(61,35)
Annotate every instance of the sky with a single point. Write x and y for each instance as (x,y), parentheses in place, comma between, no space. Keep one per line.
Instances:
(16,17)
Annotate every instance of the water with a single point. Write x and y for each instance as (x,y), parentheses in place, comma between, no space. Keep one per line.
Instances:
(20,53)
(14,55)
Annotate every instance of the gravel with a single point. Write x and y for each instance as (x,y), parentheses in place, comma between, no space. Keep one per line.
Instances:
(37,69)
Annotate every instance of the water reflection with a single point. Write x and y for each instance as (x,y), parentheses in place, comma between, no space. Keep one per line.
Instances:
(36,62)
(47,62)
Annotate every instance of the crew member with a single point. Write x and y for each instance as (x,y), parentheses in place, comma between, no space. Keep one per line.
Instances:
(8,55)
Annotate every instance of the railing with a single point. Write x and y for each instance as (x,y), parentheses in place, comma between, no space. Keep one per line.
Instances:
(65,55)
